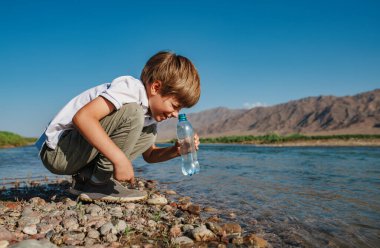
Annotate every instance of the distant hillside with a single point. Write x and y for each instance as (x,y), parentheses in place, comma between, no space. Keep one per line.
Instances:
(322,115)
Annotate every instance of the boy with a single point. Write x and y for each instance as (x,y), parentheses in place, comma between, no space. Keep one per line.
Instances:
(99,132)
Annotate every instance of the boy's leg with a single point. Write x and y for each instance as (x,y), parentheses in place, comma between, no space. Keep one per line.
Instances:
(145,141)
(124,128)
(73,152)
(125,136)
(111,191)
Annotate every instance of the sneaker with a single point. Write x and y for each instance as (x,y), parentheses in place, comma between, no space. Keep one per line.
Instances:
(112,191)
(79,180)
(77,185)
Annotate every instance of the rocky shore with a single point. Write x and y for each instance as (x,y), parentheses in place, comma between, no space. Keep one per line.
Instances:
(47,216)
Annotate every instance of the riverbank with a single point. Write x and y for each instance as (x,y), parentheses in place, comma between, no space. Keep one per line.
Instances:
(49,215)
(297,140)
(327,143)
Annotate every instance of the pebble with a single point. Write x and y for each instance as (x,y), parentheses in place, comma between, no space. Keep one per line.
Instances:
(94,210)
(30,229)
(203,234)
(175,231)
(29,218)
(107,228)
(210,210)
(237,240)
(37,201)
(187,228)
(88,241)
(130,206)
(213,219)
(215,228)
(167,208)
(194,209)
(232,215)
(96,221)
(93,234)
(32,243)
(73,238)
(68,223)
(232,229)
(159,200)
(256,241)
(15,214)
(69,202)
(120,226)
(5,234)
(116,212)
(152,223)
(170,192)
(4,243)
(183,241)
(185,199)
(110,237)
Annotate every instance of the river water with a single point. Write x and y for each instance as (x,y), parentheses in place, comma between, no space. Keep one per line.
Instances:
(293,196)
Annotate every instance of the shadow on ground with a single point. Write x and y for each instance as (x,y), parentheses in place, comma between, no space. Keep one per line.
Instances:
(49,192)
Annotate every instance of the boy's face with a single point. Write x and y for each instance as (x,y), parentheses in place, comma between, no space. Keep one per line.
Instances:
(162,107)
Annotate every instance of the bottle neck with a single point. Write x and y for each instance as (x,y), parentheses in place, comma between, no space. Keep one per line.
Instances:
(182,117)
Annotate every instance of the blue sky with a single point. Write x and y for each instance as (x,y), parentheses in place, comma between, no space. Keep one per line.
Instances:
(247,52)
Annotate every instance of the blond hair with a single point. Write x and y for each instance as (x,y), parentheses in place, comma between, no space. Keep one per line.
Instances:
(178,77)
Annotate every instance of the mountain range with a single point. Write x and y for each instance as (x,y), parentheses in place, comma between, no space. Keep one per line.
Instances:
(321,115)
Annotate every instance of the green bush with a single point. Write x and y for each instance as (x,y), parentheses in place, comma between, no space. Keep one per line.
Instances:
(12,139)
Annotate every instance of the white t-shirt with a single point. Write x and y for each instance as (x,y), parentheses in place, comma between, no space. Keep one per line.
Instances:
(124,89)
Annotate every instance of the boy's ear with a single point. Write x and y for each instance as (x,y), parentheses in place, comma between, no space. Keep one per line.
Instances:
(155,87)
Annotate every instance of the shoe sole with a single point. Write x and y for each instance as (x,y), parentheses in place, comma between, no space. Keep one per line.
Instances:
(86,198)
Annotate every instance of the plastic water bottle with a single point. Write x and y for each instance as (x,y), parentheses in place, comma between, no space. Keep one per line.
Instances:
(185,135)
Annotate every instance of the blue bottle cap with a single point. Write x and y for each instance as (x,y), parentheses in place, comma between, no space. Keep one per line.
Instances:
(182,117)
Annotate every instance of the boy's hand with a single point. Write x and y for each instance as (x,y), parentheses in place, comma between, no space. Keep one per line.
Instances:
(124,172)
(196,144)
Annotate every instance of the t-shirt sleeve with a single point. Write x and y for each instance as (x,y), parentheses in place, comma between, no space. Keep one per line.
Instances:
(122,90)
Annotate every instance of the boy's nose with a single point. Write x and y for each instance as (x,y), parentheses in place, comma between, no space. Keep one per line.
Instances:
(175,114)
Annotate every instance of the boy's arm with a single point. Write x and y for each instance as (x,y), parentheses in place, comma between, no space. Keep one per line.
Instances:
(155,154)
(87,121)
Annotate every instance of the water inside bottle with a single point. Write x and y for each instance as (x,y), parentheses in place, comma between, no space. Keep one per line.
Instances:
(190,165)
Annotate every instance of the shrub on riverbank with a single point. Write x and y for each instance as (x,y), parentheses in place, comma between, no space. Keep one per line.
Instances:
(8,139)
